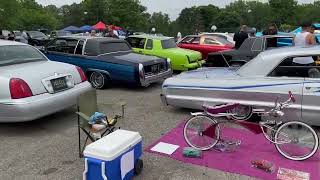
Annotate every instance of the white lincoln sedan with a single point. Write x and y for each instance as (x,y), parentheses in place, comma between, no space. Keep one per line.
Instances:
(31,86)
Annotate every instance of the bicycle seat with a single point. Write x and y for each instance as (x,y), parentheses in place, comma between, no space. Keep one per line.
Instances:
(219,109)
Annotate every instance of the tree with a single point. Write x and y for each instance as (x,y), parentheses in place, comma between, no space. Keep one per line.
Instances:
(161,22)
(283,10)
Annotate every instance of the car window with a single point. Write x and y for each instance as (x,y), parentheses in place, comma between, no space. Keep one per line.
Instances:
(168,43)
(136,42)
(187,39)
(19,54)
(257,45)
(210,41)
(62,45)
(109,47)
(302,66)
(149,44)
(36,34)
(79,47)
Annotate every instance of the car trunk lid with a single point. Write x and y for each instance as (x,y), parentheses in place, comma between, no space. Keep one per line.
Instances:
(33,73)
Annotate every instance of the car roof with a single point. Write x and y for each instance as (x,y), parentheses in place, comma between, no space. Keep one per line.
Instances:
(293,50)
(267,60)
(151,37)
(98,39)
(10,43)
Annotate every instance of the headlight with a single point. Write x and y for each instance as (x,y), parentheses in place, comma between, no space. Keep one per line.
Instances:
(141,72)
(168,63)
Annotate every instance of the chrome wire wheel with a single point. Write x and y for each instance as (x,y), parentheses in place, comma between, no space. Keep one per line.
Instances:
(241,113)
(201,132)
(296,141)
(97,80)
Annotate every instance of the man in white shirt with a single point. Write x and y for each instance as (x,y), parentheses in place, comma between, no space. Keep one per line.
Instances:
(304,39)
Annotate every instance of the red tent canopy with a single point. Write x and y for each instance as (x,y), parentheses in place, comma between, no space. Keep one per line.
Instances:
(100,26)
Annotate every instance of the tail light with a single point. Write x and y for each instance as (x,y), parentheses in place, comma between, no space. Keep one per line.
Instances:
(19,89)
(82,75)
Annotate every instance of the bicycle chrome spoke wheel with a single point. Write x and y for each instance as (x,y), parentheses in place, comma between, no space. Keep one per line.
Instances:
(201,132)
(241,113)
(296,141)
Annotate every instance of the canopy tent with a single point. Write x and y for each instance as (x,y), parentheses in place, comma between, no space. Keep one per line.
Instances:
(99,26)
(86,28)
(72,29)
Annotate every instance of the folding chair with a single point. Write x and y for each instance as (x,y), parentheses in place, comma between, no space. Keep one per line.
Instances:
(87,105)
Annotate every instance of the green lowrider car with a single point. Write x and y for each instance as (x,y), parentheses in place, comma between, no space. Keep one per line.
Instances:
(166,47)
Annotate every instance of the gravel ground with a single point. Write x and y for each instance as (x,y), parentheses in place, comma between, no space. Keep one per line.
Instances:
(48,148)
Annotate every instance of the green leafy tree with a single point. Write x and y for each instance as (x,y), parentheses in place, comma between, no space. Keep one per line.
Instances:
(283,11)
(161,22)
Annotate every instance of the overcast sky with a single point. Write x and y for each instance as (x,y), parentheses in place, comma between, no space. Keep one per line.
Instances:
(171,7)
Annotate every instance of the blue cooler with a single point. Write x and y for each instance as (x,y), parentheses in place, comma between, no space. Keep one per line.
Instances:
(114,157)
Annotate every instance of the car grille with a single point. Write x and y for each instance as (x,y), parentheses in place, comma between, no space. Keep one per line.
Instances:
(155,69)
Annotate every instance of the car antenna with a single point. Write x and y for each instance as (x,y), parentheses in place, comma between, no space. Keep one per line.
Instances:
(225,60)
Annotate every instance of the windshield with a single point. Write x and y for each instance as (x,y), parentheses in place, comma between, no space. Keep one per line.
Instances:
(19,54)
(223,40)
(110,47)
(168,43)
(243,70)
(36,34)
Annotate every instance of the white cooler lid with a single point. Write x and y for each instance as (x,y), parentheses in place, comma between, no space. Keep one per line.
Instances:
(113,145)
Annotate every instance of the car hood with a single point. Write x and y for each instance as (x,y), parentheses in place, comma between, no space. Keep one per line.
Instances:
(133,58)
(181,51)
(34,72)
(196,76)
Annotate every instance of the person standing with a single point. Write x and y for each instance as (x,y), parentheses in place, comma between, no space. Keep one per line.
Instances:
(272,30)
(111,33)
(179,37)
(303,39)
(306,37)
(241,36)
(24,37)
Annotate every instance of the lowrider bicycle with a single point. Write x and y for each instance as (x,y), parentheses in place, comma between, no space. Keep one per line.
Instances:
(106,61)
(32,86)
(271,74)
(166,47)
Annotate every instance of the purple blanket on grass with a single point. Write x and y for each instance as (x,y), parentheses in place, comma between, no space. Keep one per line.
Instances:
(253,146)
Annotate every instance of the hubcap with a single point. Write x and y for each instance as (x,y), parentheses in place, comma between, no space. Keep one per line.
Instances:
(97,80)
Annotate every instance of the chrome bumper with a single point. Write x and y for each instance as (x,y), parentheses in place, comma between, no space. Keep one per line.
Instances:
(163,99)
(35,107)
(155,78)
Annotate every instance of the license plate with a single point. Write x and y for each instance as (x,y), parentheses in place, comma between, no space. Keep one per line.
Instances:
(59,84)
(155,69)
